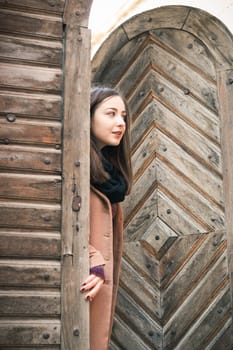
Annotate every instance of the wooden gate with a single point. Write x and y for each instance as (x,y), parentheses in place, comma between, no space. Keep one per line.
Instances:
(174,65)
(44,128)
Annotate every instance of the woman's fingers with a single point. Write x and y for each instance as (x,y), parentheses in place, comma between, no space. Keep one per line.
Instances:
(92,285)
(94,291)
(87,282)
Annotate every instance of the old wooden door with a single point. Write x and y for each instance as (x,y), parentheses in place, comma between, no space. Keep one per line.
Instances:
(174,65)
(44,130)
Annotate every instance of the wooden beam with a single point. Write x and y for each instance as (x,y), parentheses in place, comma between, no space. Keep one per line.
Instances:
(75,203)
(225,91)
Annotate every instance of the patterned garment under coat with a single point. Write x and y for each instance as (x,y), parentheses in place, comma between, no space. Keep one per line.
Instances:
(106,237)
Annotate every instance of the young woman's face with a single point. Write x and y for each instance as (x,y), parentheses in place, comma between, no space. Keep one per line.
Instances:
(108,122)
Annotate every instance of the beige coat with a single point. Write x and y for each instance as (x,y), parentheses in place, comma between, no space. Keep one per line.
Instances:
(106,237)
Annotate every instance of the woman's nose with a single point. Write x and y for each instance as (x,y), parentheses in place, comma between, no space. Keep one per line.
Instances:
(120,120)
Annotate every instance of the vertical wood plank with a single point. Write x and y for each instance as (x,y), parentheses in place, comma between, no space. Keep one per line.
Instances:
(225,91)
(76,140)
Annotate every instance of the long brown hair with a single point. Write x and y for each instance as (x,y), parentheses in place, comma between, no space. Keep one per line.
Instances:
(119,155)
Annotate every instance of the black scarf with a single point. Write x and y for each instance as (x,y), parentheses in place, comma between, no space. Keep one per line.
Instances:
(115,187)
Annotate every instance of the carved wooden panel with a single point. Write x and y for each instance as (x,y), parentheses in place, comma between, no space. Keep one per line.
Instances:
(175,282)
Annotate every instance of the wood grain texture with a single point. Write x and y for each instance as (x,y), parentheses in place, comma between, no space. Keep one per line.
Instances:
(29,24)
(39,244)
(29,50)
(31,53)
(43,6)
(31,106)
(225,89)
(176,288)
(44,332)
(76,177)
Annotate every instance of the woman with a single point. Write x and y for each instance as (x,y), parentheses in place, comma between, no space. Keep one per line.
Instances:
(111,180)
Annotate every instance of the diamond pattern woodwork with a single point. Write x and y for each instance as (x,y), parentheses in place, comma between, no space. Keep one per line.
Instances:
(174,288)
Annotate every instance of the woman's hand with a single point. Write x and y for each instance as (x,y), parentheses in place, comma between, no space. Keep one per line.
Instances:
(92,285)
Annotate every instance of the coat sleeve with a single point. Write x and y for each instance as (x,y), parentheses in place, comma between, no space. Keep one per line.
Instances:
(97,207)
(95,257)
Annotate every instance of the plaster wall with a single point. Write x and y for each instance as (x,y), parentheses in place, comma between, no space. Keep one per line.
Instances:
(106,15)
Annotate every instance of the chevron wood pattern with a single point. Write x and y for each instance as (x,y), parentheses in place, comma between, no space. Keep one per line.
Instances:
(174,289)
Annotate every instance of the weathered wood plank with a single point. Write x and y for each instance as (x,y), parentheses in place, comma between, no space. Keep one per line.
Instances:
(205,211)
(22,77)
(187,46)
(142,260)
(158,238)
(208,275)
(38,188)
(29,332)
(206,181)
(210,30)
(29,273)
(35,5)
(203,331)
(141,289)
(178,72)
(76,165)
(30,132)
(192,112)
(171,262)
(30,244)
(173,17)
(76,13)
(31,105)
(223,339)
(31,347)
(193,142)
(124,55)
(145,185)
(225,91)
(22,215)
(156,115)
(146,327)
(141,127)
(29,24)
(181,221)
(102,58)
(122,333)
(146,149)
(29,303)
(30,159)
(30,50)
(185,255)
(135,226)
